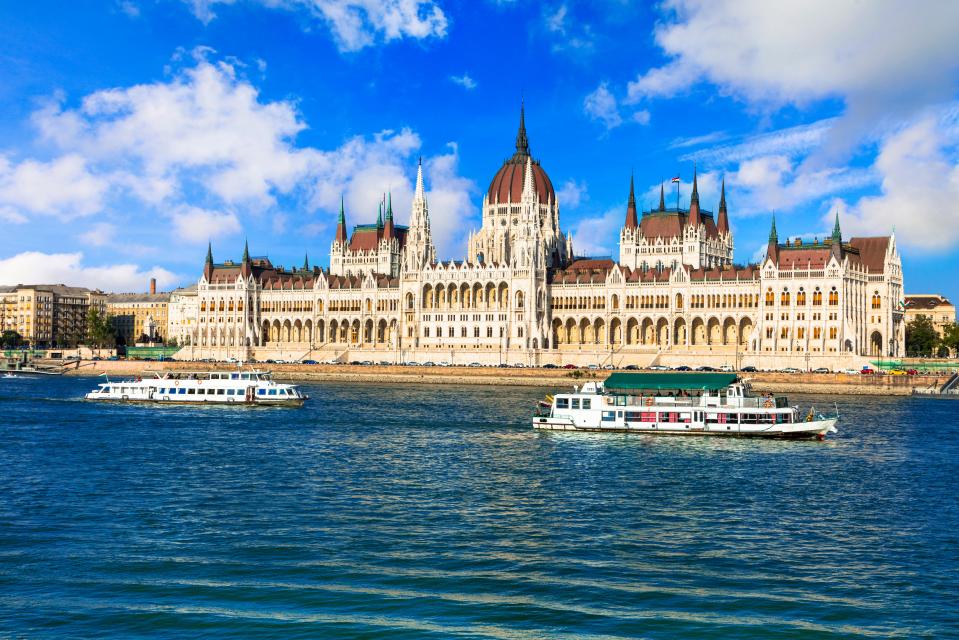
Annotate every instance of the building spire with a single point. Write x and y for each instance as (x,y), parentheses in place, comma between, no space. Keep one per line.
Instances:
(208,263)
(772,249)
(773,236)
(529,189)
(695,195)
(388,227)
(723,222)
(306,261)
(694,218)
(631,221)
(662,197)
(522,143)
(836,231)
(420,189)
(246,267)
(341,225)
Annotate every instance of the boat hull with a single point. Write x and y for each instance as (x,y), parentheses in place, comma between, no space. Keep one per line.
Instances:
(813,430)
(295,402)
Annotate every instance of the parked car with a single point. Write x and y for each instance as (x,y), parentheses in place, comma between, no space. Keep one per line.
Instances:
(683,367)
(309,362)
(661,367)
(413,364)
(570,366)
(726,368)
(550,366)
(911,372)
(385,363)
(474,364)
(822,370)
(749,369)
(866,371)
(429,364)
(444,363)
(705,368)
(897,372)
(519,365)
(609,367)
(789,370)
(631,367)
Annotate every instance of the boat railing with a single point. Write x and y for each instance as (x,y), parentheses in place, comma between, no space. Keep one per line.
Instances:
(699,401)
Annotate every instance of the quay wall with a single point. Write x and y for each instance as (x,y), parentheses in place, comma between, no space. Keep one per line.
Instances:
(836,383)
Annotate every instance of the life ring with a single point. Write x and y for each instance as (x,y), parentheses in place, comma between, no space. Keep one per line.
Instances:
(768,404)
(199,382)
(176,384)
(649,402)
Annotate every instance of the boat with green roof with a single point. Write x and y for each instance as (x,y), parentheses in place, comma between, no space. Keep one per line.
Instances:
(688,404)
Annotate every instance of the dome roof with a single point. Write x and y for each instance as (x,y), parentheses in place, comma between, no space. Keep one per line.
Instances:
(507,184)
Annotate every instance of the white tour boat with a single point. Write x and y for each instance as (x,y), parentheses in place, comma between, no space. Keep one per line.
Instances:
(704,404)
(256,388)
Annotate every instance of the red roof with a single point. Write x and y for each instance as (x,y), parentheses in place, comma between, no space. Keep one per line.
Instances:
(667,225)
(367,238)
(803,258)
(872,252)
(507,184)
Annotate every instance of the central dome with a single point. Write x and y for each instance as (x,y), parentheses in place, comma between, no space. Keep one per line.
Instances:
(507,184)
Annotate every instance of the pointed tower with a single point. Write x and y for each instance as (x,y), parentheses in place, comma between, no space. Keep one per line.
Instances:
(208,264)
(419,240)
(246,266)
(306,262)
(388,229)
(836,246)
(522,142)
(723,222)
(772,248)
(662,197)
(341,227)
(631,221)
(694,217)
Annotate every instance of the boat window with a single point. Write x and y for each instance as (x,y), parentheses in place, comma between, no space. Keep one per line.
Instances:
(562,403)
(221,392)
(191,392)
(609,416)
(272,392)
(587,403)
(261,392)
(234,376)
(575,403)
(619,401)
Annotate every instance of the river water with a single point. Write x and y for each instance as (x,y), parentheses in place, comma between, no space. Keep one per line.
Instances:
(408,511)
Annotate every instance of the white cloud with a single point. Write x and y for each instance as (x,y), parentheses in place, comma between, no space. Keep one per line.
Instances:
(571,194)
(556,20)
(599,235)
(64,187)
(99,235)
(355,24)
(197,225)
(920,190)
(848,49)
(68,269)
(641,117)
(884,59)
(205,127)
(464,81)
(601,105)
(451,207)
(695,141)
(791,142)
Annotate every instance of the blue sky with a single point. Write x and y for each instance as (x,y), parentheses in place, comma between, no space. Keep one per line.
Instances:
(136,130)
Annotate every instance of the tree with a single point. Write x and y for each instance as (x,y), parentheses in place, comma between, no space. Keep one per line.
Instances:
(950,337)
(172,342)
(100,331)
(921,336)
(11,339)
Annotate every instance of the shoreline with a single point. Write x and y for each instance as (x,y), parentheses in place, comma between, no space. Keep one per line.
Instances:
(832,383)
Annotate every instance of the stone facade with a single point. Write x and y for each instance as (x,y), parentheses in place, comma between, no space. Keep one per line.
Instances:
(135,315)
(48,315)
(673,296)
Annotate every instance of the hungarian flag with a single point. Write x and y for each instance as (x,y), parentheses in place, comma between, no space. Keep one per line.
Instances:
(676,179)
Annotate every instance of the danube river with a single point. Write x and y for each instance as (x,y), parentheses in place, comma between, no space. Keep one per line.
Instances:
(418,512)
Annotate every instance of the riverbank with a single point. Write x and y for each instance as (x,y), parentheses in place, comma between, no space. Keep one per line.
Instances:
(763,381)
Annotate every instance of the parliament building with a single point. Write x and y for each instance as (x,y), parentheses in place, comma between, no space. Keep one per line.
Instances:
(522,295)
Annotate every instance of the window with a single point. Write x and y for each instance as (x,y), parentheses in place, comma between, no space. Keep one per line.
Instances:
(574,403)
(876,301)
(832,333)
(587,403)
(261,392)
(562,403)
(833,297)
(784,298)
(817,333)
(609,416)
(272,392)
(770,297)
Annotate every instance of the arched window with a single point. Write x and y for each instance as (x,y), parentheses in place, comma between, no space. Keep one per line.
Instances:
(784,298)
(679,301)
(833,297)
(876,301)
(770,297)
(817,297)
(801,298)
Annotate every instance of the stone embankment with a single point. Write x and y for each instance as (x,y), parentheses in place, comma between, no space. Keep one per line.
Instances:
(775,382)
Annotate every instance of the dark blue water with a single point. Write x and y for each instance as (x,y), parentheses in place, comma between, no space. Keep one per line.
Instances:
(418,512)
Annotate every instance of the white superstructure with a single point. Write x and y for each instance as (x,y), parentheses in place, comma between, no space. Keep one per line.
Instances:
(732,411)
(198,387)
